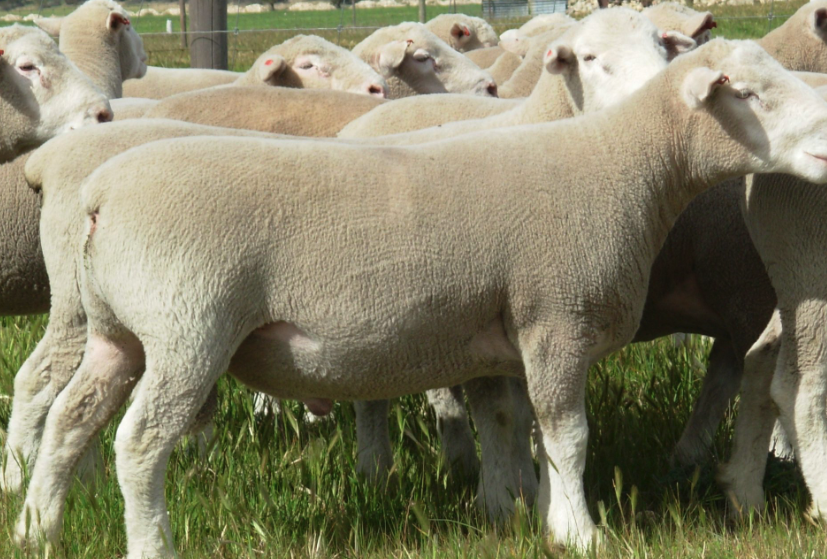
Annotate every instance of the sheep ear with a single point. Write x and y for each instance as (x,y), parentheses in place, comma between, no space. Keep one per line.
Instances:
(699,23)
(677,43)
(271,68)
(699,84)
(115,21)
(392,55)
(458,31)
(559,58)
(819,20)
(50,25)
(513,42)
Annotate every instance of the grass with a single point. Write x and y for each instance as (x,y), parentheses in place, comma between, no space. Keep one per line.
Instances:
(281,487)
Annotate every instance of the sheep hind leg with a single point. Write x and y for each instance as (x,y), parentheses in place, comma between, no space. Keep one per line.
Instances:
(525,472)
(374,456)
(491,406)
(456,437)
(742,477)
(799,389)
(42,377)
(102,383)
(720,385)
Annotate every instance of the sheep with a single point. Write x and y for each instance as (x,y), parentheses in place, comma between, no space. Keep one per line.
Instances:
(271,109)
(42,93)
(310,62)
(628,50)
(454,290)
(799,43)
(304,61)
(671,16)
(164,82)
(463,32)
(413,60)
(525,77)
(99,38)
(517,41)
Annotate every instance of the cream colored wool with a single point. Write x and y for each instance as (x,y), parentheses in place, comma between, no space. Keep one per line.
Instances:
(42,93)
(452,291)
(671,16)
(414,61)
(311,112)
(484,58)
(504,67)
(799,43)
(159,83)
(99,38)
(131,107)
(524,79)
(518,41)
(463,32)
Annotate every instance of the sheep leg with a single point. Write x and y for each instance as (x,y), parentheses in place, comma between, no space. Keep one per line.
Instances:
(175,386)
(557,387)
(524,471)
(374,456)
(102,383)
(45,373)
(720,385)
(491,406)
(742,477)
(457,439)
(799,389)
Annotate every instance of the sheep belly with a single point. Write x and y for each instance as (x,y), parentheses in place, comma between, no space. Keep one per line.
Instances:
(282,360)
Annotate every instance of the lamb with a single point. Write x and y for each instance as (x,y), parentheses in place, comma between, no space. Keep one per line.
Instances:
(99,38)
(272,109)
(310,62)
(42,93)
(439,320)
(671,16)
(413,60)
(463,32)
(628,50)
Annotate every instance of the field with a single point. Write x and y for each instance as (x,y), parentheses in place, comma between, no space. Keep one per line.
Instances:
(282,487)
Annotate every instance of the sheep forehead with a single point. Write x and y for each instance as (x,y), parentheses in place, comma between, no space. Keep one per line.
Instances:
(607,31)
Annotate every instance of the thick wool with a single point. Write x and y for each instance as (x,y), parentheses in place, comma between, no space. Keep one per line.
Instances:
(800,43)
(453,293)
(272,109)
(523,80)
(414,61)
(159,83)
(484,58)
(463,32)
(99,38)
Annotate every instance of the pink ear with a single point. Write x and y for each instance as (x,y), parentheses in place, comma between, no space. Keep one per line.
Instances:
(116,20)
(466,31)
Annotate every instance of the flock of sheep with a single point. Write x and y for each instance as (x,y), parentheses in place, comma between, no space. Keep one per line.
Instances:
(204,231)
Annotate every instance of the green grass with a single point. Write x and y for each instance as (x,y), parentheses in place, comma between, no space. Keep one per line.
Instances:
(284,488)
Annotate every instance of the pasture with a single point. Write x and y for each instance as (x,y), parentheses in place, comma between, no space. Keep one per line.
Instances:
(283,487)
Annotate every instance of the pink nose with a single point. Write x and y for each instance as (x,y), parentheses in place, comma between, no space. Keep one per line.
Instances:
(492,89)
(376,90)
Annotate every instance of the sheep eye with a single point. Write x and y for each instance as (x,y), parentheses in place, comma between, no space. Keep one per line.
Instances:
(589,57)
(306,65)
(744,94)
(27,68)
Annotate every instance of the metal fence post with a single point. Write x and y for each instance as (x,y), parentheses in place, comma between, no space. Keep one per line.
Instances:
(208,48)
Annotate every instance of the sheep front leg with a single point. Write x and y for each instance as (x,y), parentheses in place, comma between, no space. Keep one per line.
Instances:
(45,373)
(374,456)
(102,383)
(556,379)
(456,437)
(491,406)
(743,476)
(799,389)
(720,385)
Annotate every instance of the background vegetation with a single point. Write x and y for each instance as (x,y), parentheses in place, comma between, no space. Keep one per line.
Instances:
(281,487)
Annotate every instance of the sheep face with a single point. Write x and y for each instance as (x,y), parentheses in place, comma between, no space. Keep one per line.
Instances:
(130,46)
(311,62)
(611,54)
(65,98)
(765,112)
(420,62)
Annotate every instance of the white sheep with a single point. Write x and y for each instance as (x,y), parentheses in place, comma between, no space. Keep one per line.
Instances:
(671,16)
(99,38)
(42,93)
(463,32)
(517,41)
(413,61)
(454,289)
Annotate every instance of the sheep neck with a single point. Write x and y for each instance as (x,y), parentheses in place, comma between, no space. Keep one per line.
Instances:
(551,99)
(96,56)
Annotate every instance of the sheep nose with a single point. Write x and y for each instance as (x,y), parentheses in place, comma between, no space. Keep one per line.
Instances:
(376,90)
(492,89)
(104,115)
